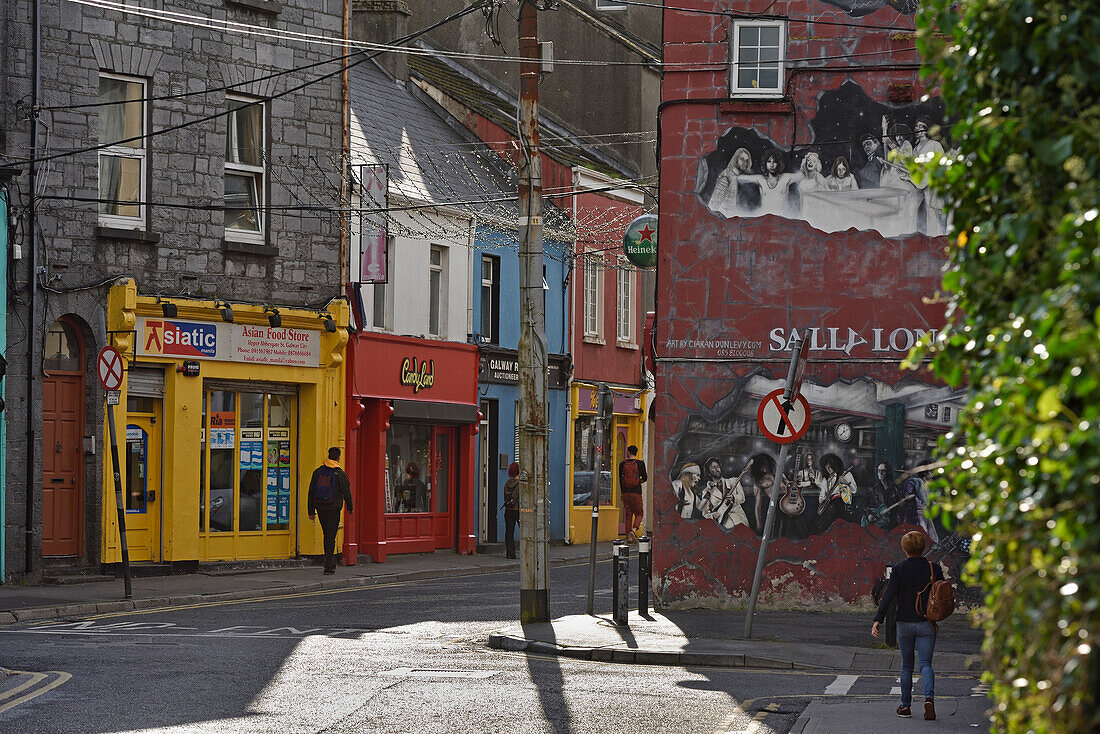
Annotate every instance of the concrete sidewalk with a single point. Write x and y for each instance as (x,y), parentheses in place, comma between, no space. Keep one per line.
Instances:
(784,640)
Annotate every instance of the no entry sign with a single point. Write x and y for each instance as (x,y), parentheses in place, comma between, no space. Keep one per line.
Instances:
(780,424)
(110,369)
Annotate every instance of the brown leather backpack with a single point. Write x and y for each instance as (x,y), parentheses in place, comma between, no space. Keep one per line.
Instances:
(937,599)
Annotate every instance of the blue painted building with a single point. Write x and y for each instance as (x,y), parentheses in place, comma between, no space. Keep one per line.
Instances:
(496,324)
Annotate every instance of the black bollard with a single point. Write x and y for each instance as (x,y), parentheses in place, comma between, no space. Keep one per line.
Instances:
(644,565)
(621,589)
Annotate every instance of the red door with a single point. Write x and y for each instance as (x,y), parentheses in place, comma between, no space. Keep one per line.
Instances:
(443,486)
(62,465)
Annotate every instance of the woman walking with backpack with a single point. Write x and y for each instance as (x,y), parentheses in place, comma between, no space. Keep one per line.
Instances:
(908,585)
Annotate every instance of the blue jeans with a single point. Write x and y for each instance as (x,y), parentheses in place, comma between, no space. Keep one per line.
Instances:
(920,636)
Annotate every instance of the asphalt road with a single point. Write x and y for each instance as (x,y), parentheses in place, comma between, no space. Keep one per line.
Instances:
(402,657)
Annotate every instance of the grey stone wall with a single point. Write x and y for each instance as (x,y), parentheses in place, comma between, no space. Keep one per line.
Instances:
(185,253)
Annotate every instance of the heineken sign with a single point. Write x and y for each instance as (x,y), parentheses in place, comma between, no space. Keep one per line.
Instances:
(640,241)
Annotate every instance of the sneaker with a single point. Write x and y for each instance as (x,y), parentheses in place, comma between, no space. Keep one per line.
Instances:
(632,538)
(929,710)
(905,712)
(330,573)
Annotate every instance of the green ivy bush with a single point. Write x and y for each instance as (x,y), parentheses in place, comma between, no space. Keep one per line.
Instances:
(1020,80)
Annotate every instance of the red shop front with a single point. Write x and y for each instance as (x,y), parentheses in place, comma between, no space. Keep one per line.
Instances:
(412,419)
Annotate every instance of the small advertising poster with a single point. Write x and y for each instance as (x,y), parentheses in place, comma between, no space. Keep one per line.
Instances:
(223,429)
(272,497)
(284,495)
(284,453)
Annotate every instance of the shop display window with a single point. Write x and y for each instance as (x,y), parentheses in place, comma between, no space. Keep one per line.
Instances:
(584,474)
(409,467)
(248,444)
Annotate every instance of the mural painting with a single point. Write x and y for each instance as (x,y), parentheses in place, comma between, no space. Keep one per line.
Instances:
(853,484)
(853,175)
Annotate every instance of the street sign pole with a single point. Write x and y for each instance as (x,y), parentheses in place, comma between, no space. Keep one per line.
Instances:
(119,502)
(794,379)
(110,368)
(605,407)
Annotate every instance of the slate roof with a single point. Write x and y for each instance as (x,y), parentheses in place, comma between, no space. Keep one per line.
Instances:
(499,107)
(428,160)
(430,157)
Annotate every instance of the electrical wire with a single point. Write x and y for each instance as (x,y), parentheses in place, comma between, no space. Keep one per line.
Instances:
(262,31)
(259,100)
(761,16)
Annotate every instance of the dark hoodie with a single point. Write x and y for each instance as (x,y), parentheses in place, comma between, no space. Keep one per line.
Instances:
(511,494)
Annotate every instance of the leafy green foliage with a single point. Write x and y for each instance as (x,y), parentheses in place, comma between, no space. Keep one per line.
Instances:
(1021,82)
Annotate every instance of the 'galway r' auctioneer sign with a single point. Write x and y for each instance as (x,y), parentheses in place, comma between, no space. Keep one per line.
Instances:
(159,337)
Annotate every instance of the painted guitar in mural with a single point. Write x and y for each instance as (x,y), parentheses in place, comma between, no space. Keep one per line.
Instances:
(791,500)
(728,495)
(842,490)
(881,515)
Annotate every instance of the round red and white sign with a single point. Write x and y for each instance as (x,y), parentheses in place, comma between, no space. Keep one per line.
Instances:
(110,368)
(780,424)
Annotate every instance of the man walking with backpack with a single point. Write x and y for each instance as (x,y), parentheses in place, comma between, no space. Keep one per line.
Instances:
(631,475)
(329,489)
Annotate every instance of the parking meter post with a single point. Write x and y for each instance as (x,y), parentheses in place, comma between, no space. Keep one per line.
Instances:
(120,503)
(591,608)
(620,569)
(644,566)
(773,508)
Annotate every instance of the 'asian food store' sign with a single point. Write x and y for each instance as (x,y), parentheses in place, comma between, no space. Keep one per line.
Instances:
(159,337)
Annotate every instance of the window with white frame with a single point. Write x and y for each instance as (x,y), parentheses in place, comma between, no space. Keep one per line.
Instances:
(593,296)
(610,5)
(758,57)
(122,163)
(381,311)
(490,298)
(625,333)
(437,286)
(245,175)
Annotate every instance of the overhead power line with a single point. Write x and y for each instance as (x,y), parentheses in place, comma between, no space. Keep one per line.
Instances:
(227,26)
(260,100)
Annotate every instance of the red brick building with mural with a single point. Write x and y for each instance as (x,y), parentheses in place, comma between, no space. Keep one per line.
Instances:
(786,206)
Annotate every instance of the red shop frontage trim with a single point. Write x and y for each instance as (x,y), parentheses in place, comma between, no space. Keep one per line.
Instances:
(412,422)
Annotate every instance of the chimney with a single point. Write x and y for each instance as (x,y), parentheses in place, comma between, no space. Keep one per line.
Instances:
(381,21)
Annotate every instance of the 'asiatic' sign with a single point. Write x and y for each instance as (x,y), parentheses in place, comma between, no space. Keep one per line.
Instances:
(160,337)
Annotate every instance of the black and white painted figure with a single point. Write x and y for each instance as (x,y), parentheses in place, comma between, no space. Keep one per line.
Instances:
(812,178)
(687,500)
(722,497)
(724,196)
(841,178)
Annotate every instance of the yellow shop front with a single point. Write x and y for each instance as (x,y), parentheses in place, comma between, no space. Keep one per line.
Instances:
(626,428)
(224,413)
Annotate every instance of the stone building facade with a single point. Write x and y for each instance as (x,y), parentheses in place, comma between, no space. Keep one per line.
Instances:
(223,217)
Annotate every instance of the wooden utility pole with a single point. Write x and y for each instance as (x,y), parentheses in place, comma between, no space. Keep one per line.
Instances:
(533,429)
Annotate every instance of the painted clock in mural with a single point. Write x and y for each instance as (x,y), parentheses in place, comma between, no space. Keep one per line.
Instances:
(843,432)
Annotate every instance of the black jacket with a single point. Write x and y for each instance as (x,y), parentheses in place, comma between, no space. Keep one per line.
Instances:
(907,579)
(343,491)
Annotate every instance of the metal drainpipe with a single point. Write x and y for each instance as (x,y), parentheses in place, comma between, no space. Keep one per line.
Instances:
(32,229)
